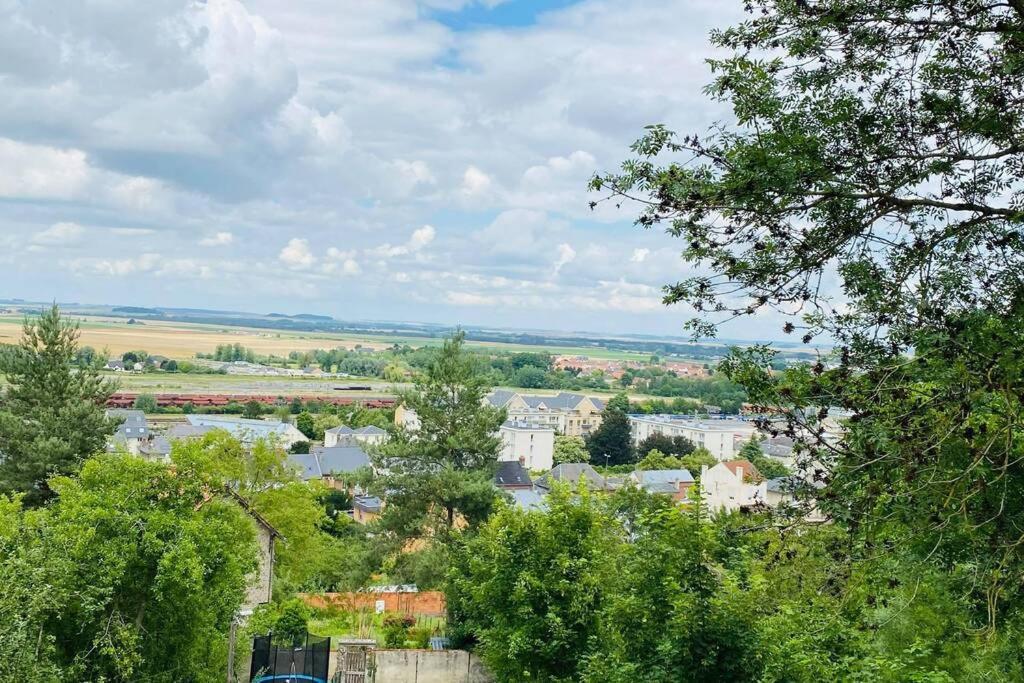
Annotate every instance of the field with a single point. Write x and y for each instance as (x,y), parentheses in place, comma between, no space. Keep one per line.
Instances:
(183,340)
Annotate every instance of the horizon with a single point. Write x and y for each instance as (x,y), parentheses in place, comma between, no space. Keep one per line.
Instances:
(412,160)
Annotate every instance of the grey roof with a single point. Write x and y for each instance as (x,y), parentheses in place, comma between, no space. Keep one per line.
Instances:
(323,462)
(187,431)
(499,398)
(528,499)
(644,477)
(133,425)
(561,401)
(661,487)
(367,503)
(307,465)
(370,429)
(115,363)
(240,427)
(572,472)
(159,446)
(512,473)
(340,429)
(340,459)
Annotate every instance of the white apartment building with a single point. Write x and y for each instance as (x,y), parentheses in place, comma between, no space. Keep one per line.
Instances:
(727,487)
(531,444)
(719,436)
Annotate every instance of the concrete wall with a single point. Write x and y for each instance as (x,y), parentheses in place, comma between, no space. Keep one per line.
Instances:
(426,666)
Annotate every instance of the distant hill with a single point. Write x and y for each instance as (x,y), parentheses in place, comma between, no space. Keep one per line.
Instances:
(302,316)
(136,310)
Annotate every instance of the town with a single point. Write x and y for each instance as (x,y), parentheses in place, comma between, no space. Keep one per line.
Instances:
(506,341)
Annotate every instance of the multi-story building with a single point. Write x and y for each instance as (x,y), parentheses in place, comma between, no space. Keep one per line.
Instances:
(566,413)
(533,445)
(346,436)
(718,435)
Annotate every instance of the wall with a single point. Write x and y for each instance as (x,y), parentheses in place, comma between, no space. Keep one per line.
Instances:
(426,666)
(424,603)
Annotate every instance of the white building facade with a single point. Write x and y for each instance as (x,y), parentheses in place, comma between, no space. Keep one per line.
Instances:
(718,436)
(531,444)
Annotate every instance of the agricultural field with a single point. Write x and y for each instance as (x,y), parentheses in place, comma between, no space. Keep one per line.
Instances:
(181,340)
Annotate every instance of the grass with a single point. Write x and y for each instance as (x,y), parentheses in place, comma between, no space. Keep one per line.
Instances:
(362,624)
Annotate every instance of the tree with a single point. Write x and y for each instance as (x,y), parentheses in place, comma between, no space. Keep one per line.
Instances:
(656,460)
(612,442)
(51,415)
(136,570)
(146,403)
(444,468)
(170,365)
(619,402)
(768,467)
(305,424)
(700,457)
(871,189)
(570,449)
(529,586)
(253,410)
(670,445)
(299,447)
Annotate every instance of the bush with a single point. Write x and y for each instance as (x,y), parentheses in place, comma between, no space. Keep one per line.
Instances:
(396,629)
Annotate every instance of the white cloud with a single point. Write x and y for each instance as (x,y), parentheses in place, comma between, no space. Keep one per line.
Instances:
(220,239)
(344,262)
(475,182)
(566,255)
(420,238)
(132,232)
(38,172)
(59,233)
(296,254)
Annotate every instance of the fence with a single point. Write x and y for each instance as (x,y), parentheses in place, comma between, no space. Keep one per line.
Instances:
(284,662)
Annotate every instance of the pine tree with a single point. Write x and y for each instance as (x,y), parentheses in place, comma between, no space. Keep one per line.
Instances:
(52,414)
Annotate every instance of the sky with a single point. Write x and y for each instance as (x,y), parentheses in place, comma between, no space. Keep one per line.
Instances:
(418,160)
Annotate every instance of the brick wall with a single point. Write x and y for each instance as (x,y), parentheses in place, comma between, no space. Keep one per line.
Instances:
(423,604)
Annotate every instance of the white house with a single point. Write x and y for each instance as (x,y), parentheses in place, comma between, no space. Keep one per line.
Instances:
(132,433)
(531,444)
(717,435)
(731,485)
(344,436)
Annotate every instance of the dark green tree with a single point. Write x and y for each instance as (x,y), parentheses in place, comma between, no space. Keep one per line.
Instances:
(669,445)
(145,402)
(253,410)
(304,422)
(612,442)
(443,470)
(52,412)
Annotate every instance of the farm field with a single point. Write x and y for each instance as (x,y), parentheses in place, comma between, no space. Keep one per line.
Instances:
(183,340)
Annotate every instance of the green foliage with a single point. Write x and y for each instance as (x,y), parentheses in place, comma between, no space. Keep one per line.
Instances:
(443,470)
(768,467)
(700,457)
(299,447)
(131,573)
(305,424)
(253,410)
(145,402)
(612,442)
(669,445)
(570,449)
(51,413)
(656,460)
(292,622)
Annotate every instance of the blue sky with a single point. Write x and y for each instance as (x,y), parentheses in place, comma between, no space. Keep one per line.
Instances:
(375,159)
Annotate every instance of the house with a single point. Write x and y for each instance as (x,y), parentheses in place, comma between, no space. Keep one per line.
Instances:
(717,435)
(248,431)
(131,433)
(115,364)
(528,499)
(572,473)
(157,448)
(366,509)
(406,418)
(157,361)
(675,483)
(512,475)
(342,435)
(732,485)
(329,463)
(259,588)
(531,444)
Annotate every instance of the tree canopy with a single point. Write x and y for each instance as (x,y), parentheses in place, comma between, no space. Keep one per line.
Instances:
(52,409)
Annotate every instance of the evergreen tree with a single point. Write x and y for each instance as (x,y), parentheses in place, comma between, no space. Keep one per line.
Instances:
(52,413)
(443,470)
(612,442)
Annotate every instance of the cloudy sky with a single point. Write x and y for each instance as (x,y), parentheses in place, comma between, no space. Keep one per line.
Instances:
(367,159)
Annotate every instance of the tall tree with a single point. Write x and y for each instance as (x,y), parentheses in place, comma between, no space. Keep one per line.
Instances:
(570,449)
(52,410)
(443,470)
(871,189)
(612,442)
